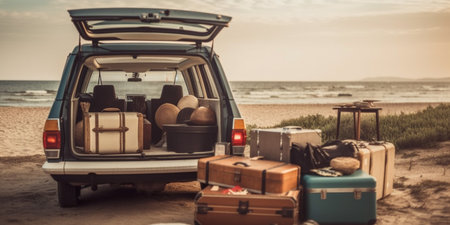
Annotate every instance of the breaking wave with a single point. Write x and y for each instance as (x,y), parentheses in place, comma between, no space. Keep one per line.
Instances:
(34,93)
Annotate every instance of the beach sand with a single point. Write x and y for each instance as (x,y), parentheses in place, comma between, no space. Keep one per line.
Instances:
(21,127)
(28,195)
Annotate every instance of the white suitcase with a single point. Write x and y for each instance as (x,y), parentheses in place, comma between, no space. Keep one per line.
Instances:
(378,160)
(113,132)
(275,144)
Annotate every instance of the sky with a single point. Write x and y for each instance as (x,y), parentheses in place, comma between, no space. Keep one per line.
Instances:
(298,40)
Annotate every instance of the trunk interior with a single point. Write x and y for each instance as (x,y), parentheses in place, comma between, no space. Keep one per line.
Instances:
(150,106)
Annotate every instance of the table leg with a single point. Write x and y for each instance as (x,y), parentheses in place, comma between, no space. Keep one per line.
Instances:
(378,124)
(338,124)
(358,131)
(354,126)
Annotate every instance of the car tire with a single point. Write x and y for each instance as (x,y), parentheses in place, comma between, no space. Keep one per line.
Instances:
(67,194)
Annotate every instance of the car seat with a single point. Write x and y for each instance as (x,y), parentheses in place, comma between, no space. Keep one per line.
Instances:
(105,97)
(170,94)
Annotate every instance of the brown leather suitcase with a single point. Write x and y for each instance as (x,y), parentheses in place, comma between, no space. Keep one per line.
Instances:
(258,176)
(113,132)
(216,207)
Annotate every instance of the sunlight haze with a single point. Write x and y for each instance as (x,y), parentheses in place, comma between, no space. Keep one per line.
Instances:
(266,40)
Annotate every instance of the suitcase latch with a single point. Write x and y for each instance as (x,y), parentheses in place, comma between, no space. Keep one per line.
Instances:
(323,194)
(286,212)
(357,194)
(243,207)
(203,208)
(237,176)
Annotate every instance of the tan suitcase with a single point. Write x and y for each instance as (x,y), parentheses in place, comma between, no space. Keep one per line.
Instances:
(390,169)
(216,207)
(258,176)
(275,143)
(113,132)
(378,160)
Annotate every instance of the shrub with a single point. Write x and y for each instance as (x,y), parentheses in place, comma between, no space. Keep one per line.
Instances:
(421,129)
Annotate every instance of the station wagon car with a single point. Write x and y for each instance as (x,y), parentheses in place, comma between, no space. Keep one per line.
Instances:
(136,60)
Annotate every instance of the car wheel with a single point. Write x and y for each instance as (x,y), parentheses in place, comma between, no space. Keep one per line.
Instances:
(67,194)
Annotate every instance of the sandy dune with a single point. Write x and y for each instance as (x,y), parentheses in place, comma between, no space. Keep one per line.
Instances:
(28,196)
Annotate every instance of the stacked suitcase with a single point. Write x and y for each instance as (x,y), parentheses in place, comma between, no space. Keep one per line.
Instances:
(278,194)
(216,207)
(377,159)
(271,191)
(340,200)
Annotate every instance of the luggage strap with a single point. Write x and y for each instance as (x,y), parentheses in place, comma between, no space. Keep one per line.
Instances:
(264,173)
(207,167)
(121,129)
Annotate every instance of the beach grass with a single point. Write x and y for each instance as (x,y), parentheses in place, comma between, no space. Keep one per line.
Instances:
(421,129)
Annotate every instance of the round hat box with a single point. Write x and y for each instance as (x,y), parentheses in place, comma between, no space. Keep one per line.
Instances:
(346,165)
(203,116)
(188,101)
(166,114)
(184,115)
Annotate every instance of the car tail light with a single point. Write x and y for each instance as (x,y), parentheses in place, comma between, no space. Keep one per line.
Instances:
(238,134)
(52,138)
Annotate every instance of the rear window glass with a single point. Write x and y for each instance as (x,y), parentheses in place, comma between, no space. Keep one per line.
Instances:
(98,25)
(150,86)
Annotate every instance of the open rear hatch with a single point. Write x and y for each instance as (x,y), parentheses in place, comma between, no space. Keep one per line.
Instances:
(143,24)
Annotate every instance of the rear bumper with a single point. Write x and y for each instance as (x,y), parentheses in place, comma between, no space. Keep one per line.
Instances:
(121,167)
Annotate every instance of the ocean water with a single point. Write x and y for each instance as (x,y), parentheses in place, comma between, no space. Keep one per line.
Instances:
(42,93)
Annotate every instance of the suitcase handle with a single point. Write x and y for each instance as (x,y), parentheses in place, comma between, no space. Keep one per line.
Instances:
(241,163)
(101,130)
(111,110)
(292,128)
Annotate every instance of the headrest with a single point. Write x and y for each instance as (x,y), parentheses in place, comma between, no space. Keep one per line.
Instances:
(104,90)
(171,93)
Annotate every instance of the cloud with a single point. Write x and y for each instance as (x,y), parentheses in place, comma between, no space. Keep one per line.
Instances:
(268,11)
(22,14)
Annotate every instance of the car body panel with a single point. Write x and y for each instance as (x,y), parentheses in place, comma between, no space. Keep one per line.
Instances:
(121,167)
(145,24)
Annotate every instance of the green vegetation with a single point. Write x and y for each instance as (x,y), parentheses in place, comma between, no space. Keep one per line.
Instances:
(421,129)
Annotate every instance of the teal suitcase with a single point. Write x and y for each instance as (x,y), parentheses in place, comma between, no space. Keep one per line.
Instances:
(340,200)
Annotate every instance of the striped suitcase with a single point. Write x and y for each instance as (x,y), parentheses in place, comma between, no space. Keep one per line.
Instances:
(216,207)
(258,176)
(378,159)
(113,132)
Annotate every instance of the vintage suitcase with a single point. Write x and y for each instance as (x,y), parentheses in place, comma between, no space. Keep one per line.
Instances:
(377,159)
(275,144)
(216,207)
(340,200)
(258,176)
(113,132)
